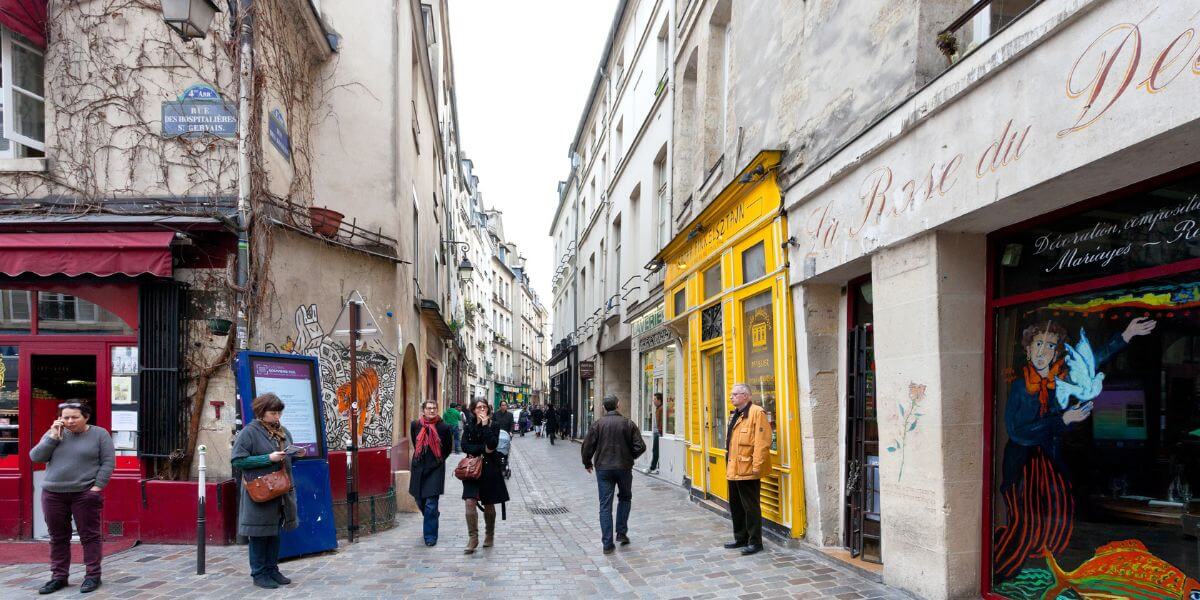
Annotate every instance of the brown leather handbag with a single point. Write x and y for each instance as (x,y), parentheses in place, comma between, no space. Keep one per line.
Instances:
(269,486)
(469,468)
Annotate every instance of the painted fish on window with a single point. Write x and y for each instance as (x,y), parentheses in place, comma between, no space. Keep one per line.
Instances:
(1123,569)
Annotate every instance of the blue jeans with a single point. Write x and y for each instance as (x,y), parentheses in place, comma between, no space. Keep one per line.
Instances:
(429,508)
(622,481)
(264,555)
(457,438)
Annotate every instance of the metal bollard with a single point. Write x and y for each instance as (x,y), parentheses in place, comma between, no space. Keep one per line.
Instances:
(200,520)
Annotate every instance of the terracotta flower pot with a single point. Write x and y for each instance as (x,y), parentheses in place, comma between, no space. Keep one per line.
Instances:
(325,221)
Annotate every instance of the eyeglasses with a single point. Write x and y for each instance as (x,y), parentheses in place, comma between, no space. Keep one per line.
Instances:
(63,405)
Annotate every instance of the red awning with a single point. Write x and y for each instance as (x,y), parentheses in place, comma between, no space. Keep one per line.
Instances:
(26,17)
(73,254)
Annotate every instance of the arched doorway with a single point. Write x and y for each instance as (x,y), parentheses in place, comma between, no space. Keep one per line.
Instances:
(406,408)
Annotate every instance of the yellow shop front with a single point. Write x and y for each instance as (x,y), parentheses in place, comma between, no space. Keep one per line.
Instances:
(727,298)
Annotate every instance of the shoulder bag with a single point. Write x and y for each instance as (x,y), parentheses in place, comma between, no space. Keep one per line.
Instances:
(469,468)
(269,486)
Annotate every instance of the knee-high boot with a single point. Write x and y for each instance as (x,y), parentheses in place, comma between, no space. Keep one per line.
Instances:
(489,519)
(472,529)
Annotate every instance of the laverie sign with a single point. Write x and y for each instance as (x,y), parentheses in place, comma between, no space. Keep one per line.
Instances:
(199,110)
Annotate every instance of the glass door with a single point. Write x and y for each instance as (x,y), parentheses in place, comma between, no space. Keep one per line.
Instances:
(715,418)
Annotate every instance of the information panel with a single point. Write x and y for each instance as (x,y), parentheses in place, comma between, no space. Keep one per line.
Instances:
(292,382)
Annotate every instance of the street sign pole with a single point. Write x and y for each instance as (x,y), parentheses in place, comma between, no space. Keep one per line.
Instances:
(352,471)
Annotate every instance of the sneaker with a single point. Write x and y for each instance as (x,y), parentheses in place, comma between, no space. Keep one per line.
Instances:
(53,586)
(623,539)
(89,585)
(654,472)
(266,583)
(646,470)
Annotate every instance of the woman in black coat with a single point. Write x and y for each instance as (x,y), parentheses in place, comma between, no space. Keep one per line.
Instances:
(480,437)
(551,424)
(434,441)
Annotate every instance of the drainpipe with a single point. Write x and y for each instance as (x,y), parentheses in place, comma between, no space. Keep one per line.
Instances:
(245,65)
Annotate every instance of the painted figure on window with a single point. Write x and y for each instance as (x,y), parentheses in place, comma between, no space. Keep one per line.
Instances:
(1035,488)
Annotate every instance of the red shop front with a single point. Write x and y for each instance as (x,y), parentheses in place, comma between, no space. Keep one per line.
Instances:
(71,310)
(1093,399)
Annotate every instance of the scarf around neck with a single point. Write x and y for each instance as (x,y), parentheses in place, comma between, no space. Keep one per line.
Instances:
(1042,386)
(274,431)
(428,438)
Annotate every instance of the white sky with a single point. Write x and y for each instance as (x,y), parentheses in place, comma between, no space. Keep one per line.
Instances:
(523,69)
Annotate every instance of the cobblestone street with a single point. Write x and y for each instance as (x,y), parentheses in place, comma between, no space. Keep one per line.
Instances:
(675,553)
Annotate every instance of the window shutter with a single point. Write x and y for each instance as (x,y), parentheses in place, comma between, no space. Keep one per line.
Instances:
(162,340)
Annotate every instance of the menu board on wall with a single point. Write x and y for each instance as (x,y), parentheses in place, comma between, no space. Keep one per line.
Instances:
(292,381)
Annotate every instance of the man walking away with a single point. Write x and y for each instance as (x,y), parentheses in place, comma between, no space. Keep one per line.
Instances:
(748,459)
(564,421)
(551,424)
(453,419)
(656,431)
(611,445)
(539,416)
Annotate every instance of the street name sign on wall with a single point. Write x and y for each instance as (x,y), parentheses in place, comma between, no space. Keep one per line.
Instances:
(278,133)
(199,110)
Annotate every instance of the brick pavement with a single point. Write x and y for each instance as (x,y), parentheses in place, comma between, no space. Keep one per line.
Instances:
(675,553)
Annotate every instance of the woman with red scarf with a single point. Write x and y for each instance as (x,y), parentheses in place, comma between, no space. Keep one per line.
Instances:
(434,441)
(1036,488)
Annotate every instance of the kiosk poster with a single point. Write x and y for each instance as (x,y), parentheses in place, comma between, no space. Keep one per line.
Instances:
(292,382)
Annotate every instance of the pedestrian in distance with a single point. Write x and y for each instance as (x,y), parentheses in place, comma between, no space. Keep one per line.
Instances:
(611,445)
(79,461)
(747,461)
(539,417)
(504,418)
(262,448)
(427,475)
(656,432)
(480,438)
(551,424)
(564,421)
(453,419)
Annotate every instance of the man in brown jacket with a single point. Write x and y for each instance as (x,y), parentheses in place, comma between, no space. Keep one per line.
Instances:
(748,459)
(611,446)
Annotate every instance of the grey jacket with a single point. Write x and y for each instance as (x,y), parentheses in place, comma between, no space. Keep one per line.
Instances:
(263,519)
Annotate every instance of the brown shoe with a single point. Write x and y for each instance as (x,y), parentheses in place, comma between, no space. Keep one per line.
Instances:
(472,530)
(489,519)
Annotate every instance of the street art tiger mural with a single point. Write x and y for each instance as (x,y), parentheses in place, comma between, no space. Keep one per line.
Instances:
(375,381)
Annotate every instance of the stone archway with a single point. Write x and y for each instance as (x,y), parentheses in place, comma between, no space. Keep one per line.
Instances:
(408,393)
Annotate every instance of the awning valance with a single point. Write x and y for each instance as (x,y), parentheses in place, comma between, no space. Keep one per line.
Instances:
(99,254)
(26,17)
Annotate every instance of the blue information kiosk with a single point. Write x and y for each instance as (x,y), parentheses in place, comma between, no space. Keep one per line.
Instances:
(296,380)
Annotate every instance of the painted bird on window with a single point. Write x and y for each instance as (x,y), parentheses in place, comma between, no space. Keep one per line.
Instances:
(1085,383)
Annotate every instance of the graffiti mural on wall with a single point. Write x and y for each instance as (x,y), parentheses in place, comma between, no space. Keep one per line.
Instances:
(375,381)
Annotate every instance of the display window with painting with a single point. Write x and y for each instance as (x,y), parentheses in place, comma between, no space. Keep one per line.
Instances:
(1094,407)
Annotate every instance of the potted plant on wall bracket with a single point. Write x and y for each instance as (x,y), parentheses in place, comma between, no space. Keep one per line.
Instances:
(325,221)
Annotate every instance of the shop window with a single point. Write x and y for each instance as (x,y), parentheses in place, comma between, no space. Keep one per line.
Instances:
(658,377)
(669,354)
(712,281)
(125,388)
(711,323)
(1097,431)
(70,315)
(15,311)
(9,413)
(680,302)
(22,97)
(754,262)
(716,398)
(759,339)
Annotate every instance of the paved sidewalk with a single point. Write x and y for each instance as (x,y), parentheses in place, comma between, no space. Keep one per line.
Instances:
(541,552)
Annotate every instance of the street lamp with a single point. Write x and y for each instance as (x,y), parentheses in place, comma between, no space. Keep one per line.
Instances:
(465,268)
(189,18)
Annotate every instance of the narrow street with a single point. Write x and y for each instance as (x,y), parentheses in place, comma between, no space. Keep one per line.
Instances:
(540,553)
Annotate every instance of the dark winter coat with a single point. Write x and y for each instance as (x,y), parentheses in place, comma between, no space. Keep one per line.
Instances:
(538,415)
(504,419)
(476,440)
(551,421)
(427,476)
(612,443)
(262,519)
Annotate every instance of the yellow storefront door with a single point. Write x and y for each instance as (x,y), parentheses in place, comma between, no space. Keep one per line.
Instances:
(714,423)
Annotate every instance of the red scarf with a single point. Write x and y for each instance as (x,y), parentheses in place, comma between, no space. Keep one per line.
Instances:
(1042,386)
(428,438)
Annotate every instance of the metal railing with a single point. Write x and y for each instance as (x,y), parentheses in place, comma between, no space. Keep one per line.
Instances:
(376,513)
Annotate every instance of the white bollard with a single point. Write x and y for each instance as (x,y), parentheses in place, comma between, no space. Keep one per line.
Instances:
(200,520)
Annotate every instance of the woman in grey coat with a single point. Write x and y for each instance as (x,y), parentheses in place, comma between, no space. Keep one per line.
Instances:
(259,450)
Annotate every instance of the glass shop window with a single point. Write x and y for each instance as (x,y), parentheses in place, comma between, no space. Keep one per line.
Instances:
(64,314)
(1097,442)
(680,300)
(754,262)
(759,340)
(712,281)
(669,354)
(14,311)
(9,413)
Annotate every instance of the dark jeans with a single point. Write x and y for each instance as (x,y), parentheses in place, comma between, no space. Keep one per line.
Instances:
(457,438)
(654,453)
(551,433)
(429,508)
(264,556)
(59,508)
(606,481)
(745,511)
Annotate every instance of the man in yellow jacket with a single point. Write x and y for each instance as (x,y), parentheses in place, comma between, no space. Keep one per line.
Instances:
(748,459)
